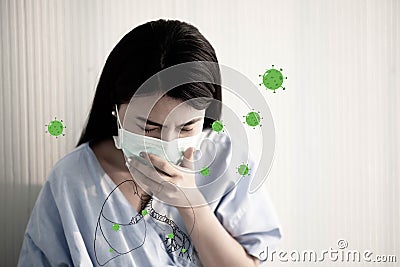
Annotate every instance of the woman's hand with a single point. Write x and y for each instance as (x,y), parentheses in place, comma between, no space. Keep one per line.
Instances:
(170,183)
(176,186)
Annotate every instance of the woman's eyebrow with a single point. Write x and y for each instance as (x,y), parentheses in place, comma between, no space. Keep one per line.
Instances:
(191,122)
(147,121)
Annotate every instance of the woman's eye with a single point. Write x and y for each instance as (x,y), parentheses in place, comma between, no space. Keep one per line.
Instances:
(149,130)
(186,130)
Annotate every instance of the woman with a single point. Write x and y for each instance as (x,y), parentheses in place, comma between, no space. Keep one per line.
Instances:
(102,205)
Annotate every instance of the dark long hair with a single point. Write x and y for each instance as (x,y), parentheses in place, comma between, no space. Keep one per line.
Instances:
(141,53)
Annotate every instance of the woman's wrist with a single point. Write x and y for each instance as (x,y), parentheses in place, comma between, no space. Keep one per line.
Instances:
(190,211)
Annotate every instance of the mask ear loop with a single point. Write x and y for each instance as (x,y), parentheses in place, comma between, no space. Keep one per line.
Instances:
(119,127)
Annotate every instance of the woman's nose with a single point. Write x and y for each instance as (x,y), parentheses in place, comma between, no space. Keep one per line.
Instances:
(168,135)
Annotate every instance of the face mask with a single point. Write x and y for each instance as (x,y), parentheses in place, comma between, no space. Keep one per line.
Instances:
(132,144)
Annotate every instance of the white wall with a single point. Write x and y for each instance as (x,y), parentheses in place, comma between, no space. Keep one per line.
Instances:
(337,166)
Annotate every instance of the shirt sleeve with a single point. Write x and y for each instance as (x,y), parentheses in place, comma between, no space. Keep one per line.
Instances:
(44,243)
(31,255)
(250,218)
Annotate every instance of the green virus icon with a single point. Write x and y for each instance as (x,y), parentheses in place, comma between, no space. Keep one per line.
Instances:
(217,126)
(111,250)
(170,235)
(253,119)
(116,227)
(183,250)
(205,171)
(243,169)
(144,212)
(56,127)
(272,79)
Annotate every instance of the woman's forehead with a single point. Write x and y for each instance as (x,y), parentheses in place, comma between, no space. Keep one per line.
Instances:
(162,110)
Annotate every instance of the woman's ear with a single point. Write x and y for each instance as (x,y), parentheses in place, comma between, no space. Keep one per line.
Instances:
(114,112)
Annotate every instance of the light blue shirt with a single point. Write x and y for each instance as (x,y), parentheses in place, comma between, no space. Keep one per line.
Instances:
(81,218)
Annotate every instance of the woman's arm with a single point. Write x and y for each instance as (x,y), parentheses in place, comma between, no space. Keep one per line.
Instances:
(45,242)
(214,245)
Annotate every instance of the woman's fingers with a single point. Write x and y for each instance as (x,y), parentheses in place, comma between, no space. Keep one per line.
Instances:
(161,187)
(187,161)
(135,165)
(159,163)
(150,186)
(177,187)
(147,170)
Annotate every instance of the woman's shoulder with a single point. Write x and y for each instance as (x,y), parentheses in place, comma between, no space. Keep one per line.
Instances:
(72,166)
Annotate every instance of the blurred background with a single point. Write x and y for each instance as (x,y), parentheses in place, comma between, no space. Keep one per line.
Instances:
(337,163)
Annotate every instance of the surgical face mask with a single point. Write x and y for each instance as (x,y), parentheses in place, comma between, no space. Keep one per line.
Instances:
(132,144)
